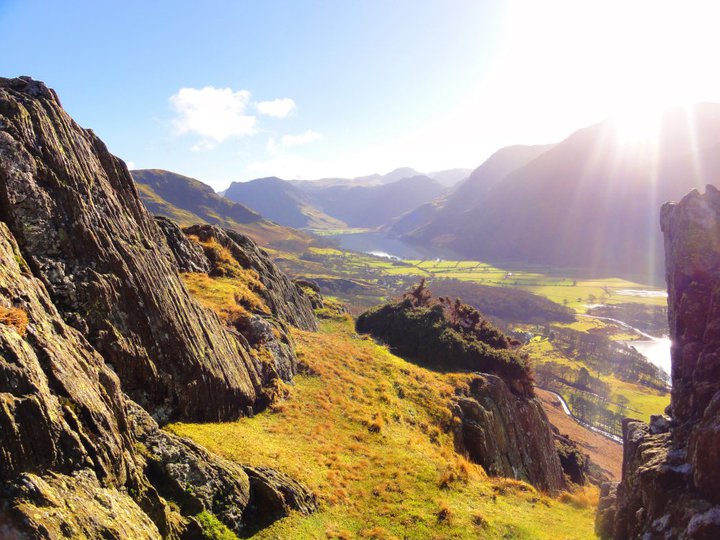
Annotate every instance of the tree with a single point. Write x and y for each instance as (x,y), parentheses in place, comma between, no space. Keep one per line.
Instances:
(583,378)
(622,403)
(420,296)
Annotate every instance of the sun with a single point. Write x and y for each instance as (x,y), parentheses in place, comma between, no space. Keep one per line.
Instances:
(637,125)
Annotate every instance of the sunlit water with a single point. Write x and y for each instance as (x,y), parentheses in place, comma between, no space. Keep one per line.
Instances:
(384,255)
(380,245)
(656,350)
(642,293)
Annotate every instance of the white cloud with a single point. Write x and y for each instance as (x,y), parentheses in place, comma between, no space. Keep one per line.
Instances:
(277,108)
(213,113)
(130,165)
(203,145)
(275,147)
(308,137)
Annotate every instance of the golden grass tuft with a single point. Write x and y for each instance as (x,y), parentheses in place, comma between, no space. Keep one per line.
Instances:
(376,423)
(231,298)
(222,261)
(581,497)
(503,486)
(15,318)
(479,520)
(444,512)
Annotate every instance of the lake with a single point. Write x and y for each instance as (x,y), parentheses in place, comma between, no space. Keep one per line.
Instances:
(381,245)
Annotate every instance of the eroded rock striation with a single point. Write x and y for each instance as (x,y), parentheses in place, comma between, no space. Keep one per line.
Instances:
(80,224)
(670,485)
(91,307)
(508,435)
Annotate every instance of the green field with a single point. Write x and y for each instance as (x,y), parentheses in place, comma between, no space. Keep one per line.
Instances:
(559,286)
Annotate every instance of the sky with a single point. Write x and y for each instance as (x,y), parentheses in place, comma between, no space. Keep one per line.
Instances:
(233,90)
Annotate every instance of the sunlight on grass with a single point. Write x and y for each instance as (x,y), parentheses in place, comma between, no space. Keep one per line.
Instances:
(370,434)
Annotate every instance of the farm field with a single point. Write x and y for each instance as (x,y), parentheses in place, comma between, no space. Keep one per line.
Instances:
(397,275)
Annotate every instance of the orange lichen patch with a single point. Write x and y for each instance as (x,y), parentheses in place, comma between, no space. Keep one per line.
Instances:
(14,317)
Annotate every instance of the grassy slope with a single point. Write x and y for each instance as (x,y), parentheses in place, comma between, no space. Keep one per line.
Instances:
(642,401)
(367,432)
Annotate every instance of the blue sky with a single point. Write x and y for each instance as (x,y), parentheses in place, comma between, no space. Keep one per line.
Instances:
(235,90)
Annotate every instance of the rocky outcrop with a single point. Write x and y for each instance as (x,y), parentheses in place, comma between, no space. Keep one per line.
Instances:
(80,459)
(501,425)
(188,256)
(60,406)
(74,448)
(67,455)
(508,435)
(575,464)
(76,214)
(265,333)
(286,300)
(312,290)
(199,481)
(72,506)
(448,337)
(274,495)
(692,269)
(671,468)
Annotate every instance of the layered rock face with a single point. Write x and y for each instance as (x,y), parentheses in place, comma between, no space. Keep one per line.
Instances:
(76,214)
(508,435)
(187,255)
(671,470)
(82,269)
(288,303)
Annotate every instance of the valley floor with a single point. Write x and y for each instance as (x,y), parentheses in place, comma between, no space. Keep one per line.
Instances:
(605,453)
(370,434)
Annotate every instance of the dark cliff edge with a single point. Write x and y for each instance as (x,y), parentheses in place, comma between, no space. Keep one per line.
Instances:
(501,424)
(670,484)
(100,340)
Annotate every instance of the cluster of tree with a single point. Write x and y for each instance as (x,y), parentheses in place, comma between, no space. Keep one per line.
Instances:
(553,375)
(607,356)
(652,320)
(596,411)
(588,398)
(506,303)
(461,317)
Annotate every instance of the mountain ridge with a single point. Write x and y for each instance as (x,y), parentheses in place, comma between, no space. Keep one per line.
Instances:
(583,202)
